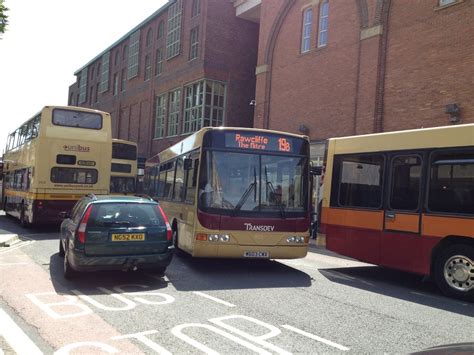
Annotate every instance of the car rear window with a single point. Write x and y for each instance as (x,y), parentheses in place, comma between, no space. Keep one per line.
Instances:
(125,214)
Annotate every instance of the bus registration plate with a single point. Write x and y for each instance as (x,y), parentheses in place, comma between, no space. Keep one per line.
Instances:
(128,237)
(256,254)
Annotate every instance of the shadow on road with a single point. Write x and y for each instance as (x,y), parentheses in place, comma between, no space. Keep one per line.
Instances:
(89,283)
(397,284)
(185,274)
(10,225)
(188,274)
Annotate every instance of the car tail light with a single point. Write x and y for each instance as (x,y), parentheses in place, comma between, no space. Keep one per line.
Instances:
(81,231)
(169,232)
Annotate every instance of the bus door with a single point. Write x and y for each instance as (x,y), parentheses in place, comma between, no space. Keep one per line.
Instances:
(401,239)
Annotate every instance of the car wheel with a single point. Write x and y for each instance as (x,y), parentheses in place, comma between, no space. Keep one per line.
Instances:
(68,272)
(454,271)
(61,248)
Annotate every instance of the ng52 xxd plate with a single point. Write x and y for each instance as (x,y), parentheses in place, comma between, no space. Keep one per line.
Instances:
(132,237)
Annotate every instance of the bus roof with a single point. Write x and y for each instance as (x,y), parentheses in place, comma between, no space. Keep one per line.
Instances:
(118,140)
(437,137)
(194,141)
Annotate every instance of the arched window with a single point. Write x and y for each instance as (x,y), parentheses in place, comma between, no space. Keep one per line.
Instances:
(323,23)
(117,57)
(159,34)
(196,10)
(306,35)
(149,35)
(125,52)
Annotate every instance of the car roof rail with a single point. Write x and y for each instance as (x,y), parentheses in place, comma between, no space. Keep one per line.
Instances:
(91,196)
(148,197)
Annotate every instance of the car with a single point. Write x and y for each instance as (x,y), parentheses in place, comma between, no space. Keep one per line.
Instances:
(115,233)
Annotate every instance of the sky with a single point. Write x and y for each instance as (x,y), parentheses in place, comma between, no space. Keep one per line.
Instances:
(47,41)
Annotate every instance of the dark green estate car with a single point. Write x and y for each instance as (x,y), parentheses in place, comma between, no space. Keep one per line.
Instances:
(115,233)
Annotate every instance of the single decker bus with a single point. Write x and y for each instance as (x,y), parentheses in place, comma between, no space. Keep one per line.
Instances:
(235,193)
(405,200)
(53,159)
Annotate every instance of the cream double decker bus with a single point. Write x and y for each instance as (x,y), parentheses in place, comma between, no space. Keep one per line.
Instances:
(235,193)
(405,200)
(124,170)
(53,159)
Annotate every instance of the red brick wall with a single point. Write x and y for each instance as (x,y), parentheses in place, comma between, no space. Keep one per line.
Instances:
(430,63)
(228,52)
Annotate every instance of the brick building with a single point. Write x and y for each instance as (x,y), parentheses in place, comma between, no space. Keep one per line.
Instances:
(190,64)
(331,68)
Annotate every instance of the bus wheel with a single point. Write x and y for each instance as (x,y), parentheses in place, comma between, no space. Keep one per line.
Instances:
(454,271)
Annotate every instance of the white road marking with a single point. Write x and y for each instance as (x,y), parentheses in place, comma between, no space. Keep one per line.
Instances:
(177,332)
(15,336)
(17,246)
(142,337)
(315,337)
(215,299)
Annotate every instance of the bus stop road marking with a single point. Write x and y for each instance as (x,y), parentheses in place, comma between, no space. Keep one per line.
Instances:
(15,336)
(215,299)
(315,337)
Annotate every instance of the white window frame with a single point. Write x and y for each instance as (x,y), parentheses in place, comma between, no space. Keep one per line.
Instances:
(173,42)
(323,23)
(306,30)
(133,55)
(104,76)
(160,115)
(83,87)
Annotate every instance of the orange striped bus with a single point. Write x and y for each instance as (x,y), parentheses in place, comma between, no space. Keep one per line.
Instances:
(405,200)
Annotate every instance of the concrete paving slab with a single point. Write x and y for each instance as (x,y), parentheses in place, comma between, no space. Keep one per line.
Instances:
(7,240)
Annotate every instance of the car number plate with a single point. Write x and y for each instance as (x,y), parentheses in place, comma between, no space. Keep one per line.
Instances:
(256,254)
(132,237)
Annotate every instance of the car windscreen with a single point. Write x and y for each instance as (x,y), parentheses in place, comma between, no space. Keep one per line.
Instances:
(114,214)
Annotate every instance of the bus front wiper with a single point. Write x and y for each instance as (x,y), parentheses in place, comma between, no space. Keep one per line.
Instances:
(252,186)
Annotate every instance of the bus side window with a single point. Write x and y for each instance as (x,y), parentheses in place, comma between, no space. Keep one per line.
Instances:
(191,181)
(178,194)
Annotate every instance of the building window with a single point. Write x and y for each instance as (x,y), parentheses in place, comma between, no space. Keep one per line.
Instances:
(92,73)
(117,57)
(174,106)
(159,32)
(158,62)
(323,24)
(193,107)
(194,43)
(173,43)
(147,67)
(96,97)
(83,86)
(133,54)
(125,53)
(116,83)
(446,2)
(104,75)
(149,35)
(204,105)
(214,104)
(123,81)
(196,10)
(160,112)
(91,95)
(306,35)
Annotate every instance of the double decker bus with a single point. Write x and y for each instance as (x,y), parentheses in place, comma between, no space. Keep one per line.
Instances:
(123,176)
(53,159)
(405,200)
(235,193)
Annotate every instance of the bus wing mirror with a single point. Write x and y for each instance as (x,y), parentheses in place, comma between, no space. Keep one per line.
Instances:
(316,170)
(188,164)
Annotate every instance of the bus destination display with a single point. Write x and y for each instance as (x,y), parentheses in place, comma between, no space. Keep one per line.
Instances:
(259,142)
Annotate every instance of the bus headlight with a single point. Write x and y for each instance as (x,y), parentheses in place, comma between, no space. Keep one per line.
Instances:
(224,238)
(213,237)
(295,239)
